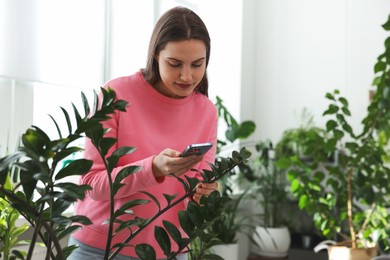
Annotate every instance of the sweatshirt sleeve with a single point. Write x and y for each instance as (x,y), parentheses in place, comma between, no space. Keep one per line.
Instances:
(97,178)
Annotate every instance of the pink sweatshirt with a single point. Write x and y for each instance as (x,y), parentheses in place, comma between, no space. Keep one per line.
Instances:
(152,123)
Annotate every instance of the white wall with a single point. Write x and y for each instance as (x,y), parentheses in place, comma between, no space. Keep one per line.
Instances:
(297,50)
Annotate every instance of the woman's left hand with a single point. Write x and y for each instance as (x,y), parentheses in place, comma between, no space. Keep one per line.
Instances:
(204,189)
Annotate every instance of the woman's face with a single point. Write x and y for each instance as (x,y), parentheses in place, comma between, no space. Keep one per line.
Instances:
(182,65)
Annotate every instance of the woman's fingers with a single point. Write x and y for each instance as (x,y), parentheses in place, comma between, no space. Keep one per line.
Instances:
(170,162)
(204,189)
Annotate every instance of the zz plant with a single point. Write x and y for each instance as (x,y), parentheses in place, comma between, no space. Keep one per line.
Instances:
(42,194)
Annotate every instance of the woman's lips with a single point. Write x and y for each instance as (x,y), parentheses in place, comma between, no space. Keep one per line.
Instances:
(183,85)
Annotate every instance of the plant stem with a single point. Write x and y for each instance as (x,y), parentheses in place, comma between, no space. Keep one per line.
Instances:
(349,205)
(188,194)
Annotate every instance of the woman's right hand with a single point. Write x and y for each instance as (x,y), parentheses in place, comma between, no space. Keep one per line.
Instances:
(169,162)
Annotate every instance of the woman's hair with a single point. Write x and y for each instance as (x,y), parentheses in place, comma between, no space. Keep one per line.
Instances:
(176,24)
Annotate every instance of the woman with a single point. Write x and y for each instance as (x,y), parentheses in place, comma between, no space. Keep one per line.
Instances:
(169,109)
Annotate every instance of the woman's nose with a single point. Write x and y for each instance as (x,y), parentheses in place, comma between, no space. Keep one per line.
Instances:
(186,74)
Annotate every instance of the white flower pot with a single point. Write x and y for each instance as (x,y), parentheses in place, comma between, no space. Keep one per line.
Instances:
(227,252)
(273,242)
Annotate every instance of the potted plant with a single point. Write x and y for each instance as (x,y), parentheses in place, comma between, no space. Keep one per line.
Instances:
(348,198)
(41,194)
(269,190)
(297,141)
(234,218)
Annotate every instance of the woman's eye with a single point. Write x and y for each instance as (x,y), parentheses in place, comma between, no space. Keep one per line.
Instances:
(197,65)
(175,65)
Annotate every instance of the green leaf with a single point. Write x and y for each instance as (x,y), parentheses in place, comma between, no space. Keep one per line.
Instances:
(68,123)
(34,139)
(81,219)
(153,198)
(67,231)
(330,125)
(105,144)
(145,252)
(173,231)
(246,129)
(77,115)
(379,66)
(192,182)
(56,125)
(186,223)
(28,183)
(59,206)
(17,253)
(67,251)
(195,213)
(169,198)
(129,223)
(84,99)
(303,201)
(283,163)
(117,154)
(128,205)
(76,167)
(332,109)
(73,190)
(294,186)
(386,25)
(125,172)
(231,134)
(163,239)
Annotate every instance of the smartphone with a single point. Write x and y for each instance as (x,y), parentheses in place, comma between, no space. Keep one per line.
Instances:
(196,149)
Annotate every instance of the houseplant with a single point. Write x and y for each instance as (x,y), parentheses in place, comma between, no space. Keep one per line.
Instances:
(233,219)
(38,163)
(269,190)
(235,133)
(349,197)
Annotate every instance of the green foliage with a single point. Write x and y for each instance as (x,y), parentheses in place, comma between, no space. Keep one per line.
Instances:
(42,194)
(235,131)
(196,220)
(9,231)
(268,184)
(348,197)
(300,140)
(233,220)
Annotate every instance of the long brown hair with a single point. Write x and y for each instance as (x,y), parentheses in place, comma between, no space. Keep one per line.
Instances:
(176,24)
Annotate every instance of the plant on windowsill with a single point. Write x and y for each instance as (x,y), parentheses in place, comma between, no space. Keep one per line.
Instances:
(349,198)
(37,162)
